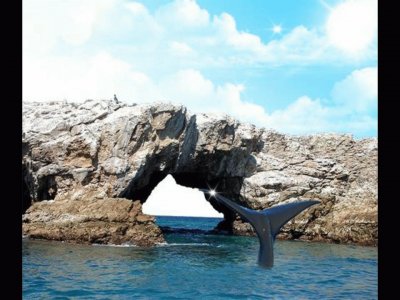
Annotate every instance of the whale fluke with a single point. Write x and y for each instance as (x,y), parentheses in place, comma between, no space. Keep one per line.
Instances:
(281,214)
(266,223)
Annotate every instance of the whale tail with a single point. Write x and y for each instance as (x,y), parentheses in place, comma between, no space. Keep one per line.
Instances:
(267,223)
(281,214)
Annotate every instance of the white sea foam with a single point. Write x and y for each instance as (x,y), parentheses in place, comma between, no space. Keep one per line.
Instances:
(114,245)
(157,245)
(182,244)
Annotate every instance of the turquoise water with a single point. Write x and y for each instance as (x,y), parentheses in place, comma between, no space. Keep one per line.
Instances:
(197,266)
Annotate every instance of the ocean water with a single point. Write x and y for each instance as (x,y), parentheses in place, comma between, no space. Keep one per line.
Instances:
(197,265)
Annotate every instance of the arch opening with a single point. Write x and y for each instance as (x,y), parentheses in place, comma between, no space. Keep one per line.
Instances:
(180,209)
(141,188)
(171,199)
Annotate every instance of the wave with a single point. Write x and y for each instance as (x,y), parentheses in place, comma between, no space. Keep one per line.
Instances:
(114,245)
(183,244)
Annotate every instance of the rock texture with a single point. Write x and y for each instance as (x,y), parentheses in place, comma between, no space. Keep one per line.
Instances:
(109,150)
(104,221)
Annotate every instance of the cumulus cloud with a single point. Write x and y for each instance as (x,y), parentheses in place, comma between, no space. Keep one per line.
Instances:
(308,116)
(300,46)
(180,49)
(162,56)
(352,26)
(183,15)
(48,22)
(350,29)
(225,26)
(358,91)
(352,108)
(75,79)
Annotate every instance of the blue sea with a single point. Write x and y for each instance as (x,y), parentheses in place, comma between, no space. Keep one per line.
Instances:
(197,265)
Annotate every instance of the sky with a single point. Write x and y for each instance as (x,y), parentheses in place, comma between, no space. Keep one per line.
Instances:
(298,67)
(170,199)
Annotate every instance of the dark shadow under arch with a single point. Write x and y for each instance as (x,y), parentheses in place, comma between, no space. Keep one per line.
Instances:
(26,197)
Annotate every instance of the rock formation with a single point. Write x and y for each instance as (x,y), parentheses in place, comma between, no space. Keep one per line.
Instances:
(102,149)
(104,221)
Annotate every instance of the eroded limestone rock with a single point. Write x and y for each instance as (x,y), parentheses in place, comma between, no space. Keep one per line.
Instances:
(100,149)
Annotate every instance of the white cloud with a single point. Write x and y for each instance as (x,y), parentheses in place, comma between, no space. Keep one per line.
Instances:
(303,114)
(352,109)
(137,8)
(230,97)
(308,116)
(300,46)
(199,94)
(183,29)
(188,86)
(74,79)
(180,49)
(352,26)
(358,91)
(171,199)
(158,56)
(47,23)
(353,100)
(226,29)
(183,15)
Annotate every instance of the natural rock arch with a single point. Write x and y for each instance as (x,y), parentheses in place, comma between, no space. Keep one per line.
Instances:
(100,149)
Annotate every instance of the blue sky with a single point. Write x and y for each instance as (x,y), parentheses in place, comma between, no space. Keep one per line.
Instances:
(299,67)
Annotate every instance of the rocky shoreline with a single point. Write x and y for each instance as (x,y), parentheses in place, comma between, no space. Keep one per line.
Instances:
(86,165)
(101,221)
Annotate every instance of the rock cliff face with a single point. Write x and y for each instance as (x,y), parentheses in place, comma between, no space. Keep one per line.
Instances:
(101,150)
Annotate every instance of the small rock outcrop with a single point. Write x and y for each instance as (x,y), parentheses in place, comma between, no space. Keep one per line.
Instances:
(103,221)
(103,149)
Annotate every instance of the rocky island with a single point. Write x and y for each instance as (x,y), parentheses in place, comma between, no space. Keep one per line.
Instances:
(88,167)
